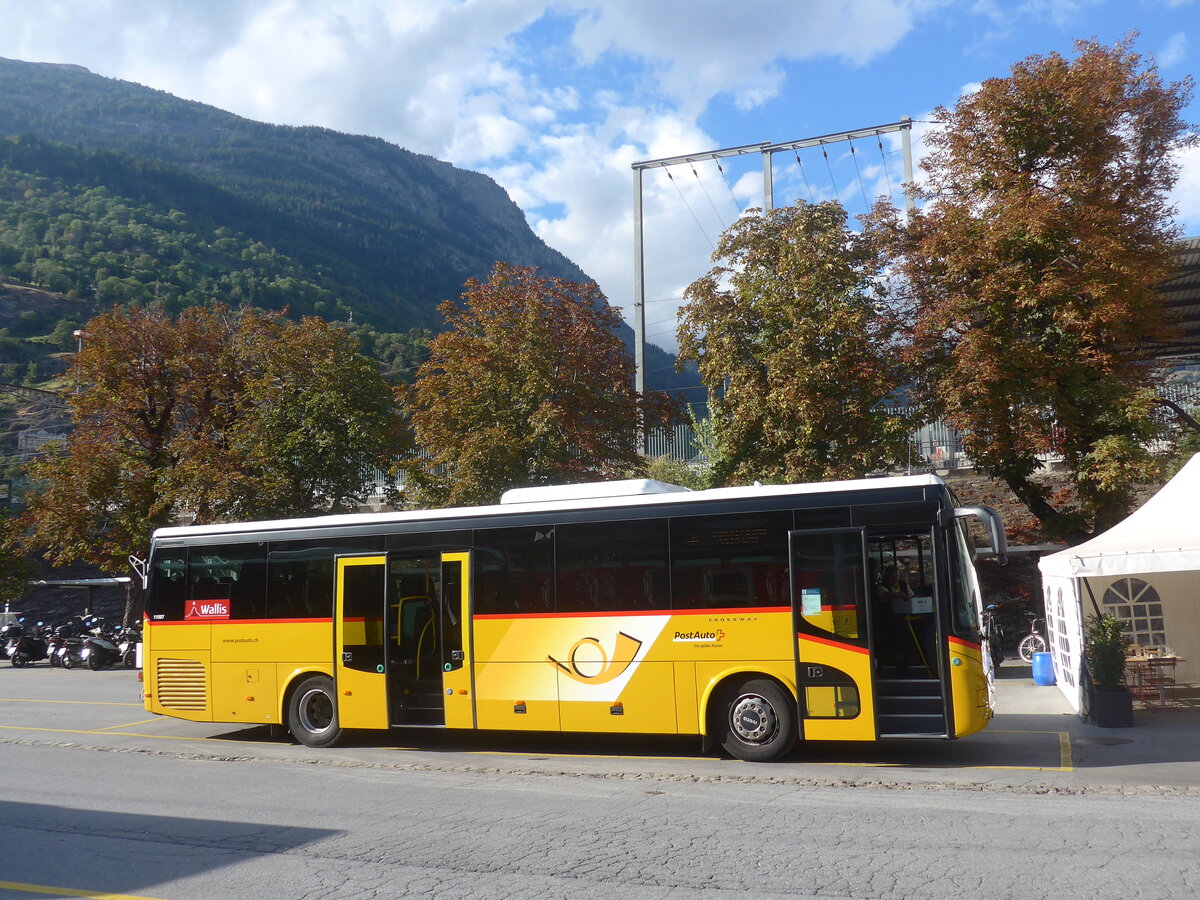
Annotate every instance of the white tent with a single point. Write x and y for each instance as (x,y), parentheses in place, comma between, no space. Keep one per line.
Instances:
(1145,570)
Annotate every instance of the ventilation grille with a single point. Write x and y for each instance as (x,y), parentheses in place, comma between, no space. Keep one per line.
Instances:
(181,684)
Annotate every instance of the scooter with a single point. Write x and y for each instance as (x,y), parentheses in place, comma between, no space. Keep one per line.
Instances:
(29,648)
(128,638)
(54,643)
(65,644)
(99,649)
(10,633)
(69,654)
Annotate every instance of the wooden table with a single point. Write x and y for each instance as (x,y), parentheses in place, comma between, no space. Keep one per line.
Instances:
(1150,675)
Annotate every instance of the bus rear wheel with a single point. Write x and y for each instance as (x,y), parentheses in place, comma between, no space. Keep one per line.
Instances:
(312,713)
(759,723)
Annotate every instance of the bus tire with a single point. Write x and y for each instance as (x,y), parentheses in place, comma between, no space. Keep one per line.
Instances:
(312,712)
(758,721)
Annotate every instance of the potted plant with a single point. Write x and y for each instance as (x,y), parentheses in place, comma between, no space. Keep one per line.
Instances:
(1105,643)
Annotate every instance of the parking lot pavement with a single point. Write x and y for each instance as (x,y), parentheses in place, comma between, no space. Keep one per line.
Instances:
(1159,752)
(1034,744)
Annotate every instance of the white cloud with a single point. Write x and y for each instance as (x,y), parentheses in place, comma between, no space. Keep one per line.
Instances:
(704,47)
(1186,195)
(1175,50)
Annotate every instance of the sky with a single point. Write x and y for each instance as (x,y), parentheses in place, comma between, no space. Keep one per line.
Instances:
(555,99)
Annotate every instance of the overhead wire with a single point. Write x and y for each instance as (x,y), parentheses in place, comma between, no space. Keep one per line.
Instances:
(736,203)
(804,175)
(883,157)
(700,181)
(689,209)
(832,181)
(858,172)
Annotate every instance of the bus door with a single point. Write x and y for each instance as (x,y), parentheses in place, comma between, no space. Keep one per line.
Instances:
(359,641)
(427,642)
(907,635)
(832,621)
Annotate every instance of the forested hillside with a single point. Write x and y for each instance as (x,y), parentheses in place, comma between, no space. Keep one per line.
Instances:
(112,192)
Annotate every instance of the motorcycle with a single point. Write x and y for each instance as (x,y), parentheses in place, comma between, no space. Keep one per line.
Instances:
(10,633)
(128,639)
(99,649)
(54,643)
(69,644)
(29,648)
(70,653)
(993,636)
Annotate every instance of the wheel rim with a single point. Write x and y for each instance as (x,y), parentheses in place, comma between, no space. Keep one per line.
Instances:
(753,719)
(315,711)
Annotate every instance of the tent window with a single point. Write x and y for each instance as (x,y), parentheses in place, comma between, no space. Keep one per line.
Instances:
(1138,605)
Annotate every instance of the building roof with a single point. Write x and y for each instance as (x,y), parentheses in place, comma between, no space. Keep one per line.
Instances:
(1181,295)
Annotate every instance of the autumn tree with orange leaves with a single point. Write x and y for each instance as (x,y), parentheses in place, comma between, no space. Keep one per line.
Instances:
(530,385)
(1032,273)
(214,416)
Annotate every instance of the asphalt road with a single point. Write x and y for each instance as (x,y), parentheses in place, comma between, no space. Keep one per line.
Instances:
(101,799)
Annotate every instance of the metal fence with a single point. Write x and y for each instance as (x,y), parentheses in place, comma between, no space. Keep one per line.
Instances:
(935,445)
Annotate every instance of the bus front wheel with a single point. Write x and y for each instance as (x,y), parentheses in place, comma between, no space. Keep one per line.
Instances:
(759,722)
(312,713)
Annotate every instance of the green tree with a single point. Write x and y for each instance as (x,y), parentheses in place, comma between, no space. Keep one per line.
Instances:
(529,386)
(1033,270)
(16,568)
(796,351)
(212,416)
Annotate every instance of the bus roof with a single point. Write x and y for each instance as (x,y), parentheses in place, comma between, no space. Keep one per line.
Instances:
(569,499)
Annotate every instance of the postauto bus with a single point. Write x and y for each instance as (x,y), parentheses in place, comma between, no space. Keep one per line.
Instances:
(751,617)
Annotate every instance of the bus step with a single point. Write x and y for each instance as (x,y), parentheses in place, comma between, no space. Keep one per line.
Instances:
(914,705)
(421,716)
(929,687)
(911,724)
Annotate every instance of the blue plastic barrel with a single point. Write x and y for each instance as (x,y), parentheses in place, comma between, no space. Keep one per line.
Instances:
(1043,669)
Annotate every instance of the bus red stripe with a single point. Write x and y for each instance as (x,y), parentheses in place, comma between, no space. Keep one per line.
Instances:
(156,623)
(971,645)
(828,642)
(741,610)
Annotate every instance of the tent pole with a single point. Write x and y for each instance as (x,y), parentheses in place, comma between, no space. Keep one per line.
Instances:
(1095,605)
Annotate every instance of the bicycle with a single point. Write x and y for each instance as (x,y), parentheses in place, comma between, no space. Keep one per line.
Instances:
(993,635)
(1034,642)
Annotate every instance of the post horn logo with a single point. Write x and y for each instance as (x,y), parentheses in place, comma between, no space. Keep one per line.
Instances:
(594,665)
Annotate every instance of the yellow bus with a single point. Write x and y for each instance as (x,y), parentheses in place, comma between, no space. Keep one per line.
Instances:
(751,617)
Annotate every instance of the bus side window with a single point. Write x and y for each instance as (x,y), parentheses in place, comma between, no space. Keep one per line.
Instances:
(168,585)
(726,560)
(606,566)
(516,570)
(300,584)
(233,572)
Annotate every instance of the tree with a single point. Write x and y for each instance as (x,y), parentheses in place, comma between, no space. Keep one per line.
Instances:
(1033,270)
(529,386)
(795,350)
(215,416)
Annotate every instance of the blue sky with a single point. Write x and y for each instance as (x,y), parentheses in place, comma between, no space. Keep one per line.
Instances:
(556,99)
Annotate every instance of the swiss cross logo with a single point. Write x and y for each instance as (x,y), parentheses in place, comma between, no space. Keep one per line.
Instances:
(206,609)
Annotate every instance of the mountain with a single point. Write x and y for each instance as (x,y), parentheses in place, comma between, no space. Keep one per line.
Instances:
(139,194)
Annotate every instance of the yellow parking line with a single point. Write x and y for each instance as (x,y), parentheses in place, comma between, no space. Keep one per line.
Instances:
(1065,762)
(157,737)
(128,724)
(71,702)
(65,892)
